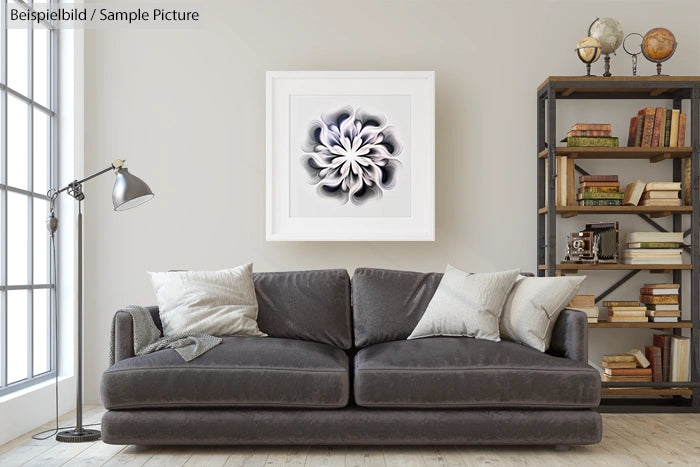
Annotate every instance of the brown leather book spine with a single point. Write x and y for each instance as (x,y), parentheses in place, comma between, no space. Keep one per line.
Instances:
(659,124)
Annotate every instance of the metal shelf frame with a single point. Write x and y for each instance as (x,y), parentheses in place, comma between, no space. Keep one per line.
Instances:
(676,89)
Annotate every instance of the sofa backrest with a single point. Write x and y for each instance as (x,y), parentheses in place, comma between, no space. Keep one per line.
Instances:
(307,305)
(387,305)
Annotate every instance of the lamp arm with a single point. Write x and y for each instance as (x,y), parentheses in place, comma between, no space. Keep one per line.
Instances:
(117,164)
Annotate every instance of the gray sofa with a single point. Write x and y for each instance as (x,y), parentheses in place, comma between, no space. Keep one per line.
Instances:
(337,369)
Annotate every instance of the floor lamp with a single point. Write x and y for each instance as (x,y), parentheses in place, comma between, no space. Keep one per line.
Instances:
(129,191)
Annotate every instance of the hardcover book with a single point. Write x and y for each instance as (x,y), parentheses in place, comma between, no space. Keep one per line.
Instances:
(681,130)
(609,184)
(639,356)
(660,307)
(627,319)
(619,358)
(660,194)
(663,341)
(667,129)
(599,189)
(676,237)
(660,202)
(664,313)
(652,291)
(606,133)
(651,186)
(659,121)
(653,245)
(632,364)
(592,126)
(598,178)
(653,354)
(599,195)
(600,202)
(664,285)
(610,303)
(623,379)
(675,117)
(659,299)
(627,371)
(680,358)
(649,113)
(591,141)
(631,137)
(633,193)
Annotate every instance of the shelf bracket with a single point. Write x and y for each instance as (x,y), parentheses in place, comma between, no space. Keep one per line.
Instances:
(660,157)
(617,284)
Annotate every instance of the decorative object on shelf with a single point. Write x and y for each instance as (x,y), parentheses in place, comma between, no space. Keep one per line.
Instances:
(608,32)
(658,45)
(633,50)
(597,243)
(588,51)
(350,155)
(129,191)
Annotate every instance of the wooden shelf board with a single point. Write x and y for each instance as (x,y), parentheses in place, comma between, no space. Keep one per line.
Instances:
(647,391)
(653,154)
(652,85)
(648,325)
(655,211)
(617,267)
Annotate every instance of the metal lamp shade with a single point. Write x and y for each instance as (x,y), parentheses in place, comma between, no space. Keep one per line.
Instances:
(129,191)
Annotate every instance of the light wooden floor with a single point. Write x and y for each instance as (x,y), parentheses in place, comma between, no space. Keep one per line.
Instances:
(627,440)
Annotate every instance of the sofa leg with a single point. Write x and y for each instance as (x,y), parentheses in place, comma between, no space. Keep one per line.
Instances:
(561,447)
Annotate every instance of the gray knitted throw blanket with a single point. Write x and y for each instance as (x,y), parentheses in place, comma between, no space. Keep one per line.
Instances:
(147,337)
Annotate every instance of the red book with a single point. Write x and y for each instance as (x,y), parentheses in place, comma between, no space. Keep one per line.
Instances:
(649,113)
(663,341)
(592,126)
(659,124)
(681,130)
(633,131)
(653,354)
(606,133)
(597,178)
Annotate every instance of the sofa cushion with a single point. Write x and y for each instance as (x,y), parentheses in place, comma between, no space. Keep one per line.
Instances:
(387,305)
(459,372)
(241,371)
(307,305)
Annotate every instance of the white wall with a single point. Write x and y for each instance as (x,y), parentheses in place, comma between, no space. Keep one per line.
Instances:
(186,108)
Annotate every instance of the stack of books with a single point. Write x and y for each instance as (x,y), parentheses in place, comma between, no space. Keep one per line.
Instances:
(585,303)
(661,301)
(629,367)
(591,135)
(661,194)
(599,190)
(626,312)
(657,127)
(653,248)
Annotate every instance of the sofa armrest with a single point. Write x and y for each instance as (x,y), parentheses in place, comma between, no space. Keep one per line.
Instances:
(570,336)
(124,333)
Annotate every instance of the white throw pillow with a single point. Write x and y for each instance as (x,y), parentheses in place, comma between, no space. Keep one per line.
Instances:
(533,307)
(220,303)
(466,304)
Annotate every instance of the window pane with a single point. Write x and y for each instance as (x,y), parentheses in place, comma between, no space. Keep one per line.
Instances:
(17,150)
(16,335)
(41,242)
(41,65)
(17,238)
(17,59)
(41,152)
(42,330)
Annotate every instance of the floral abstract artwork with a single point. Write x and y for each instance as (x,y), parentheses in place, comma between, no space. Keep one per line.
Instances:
(350,156)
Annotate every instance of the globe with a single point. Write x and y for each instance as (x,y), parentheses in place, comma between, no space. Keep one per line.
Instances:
(588,49)
(658,44)
(609,32)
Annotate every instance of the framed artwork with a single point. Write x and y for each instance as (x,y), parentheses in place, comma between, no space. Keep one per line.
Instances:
(350,156)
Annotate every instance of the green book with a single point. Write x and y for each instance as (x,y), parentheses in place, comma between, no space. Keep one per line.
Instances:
(655,245)
(600,202)
(592,141)
(599,195)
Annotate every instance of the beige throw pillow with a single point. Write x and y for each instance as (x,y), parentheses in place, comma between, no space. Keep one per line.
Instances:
(466,304)
(533,306)
(220,303)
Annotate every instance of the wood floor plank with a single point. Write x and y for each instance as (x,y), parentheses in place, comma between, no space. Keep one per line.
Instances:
(59,454)
(214,456)
(21,454)
(97,454)
(325,456)
(246,457)
(131,456)
(364,456)
(403,456)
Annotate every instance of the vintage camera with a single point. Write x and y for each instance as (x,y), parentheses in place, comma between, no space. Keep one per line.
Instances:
(597,243)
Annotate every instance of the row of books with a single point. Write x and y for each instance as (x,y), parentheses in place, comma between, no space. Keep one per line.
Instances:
(667,359)
(639,193)
(591,135)
(653,248)
(657,127)
(599,190)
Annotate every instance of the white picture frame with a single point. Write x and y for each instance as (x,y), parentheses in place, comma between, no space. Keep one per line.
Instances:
(350,156)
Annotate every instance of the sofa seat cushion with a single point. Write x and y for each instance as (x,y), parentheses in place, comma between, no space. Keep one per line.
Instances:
(461,372)
(241,371)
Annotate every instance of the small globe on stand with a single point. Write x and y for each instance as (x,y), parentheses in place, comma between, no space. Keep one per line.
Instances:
(609,32)
(658,45)
(588,51)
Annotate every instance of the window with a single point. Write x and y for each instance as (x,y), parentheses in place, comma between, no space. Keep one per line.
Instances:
(27,171)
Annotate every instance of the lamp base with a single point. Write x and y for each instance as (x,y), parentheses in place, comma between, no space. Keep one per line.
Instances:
(75,436)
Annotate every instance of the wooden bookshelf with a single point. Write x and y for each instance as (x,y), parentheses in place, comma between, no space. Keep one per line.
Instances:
(651,154)
(653,211)
(648,325)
